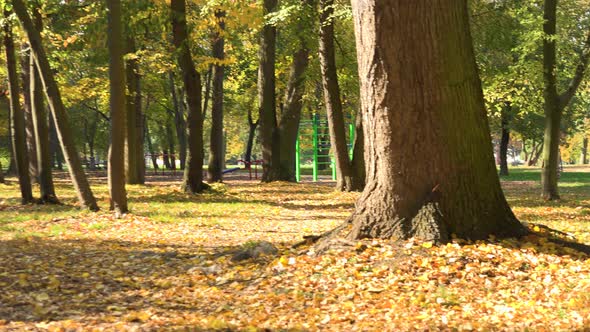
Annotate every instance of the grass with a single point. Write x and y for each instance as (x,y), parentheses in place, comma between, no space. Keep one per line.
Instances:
(166,265)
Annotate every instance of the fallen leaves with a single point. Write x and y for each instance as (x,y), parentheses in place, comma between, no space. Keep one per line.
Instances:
(169,265)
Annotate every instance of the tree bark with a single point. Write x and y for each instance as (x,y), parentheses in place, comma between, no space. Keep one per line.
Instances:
(252,125)
(555,103)
(268,131)
(151,150)
(116,159)
(58,111)
(430,167)
(553,112)
(41,125)
(28,111)
(585,151)
(358,150)
(17,117)
(345,180)
(505,139)
(216,142)
(2,174)
(132,105)
(291,116)
(179,120)
(193,175)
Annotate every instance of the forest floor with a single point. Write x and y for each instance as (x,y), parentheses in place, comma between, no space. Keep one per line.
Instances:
(167,265)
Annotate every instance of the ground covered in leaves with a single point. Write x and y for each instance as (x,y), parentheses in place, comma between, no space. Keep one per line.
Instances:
(168,264)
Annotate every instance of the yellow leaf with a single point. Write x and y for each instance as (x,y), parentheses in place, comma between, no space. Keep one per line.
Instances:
(427,244)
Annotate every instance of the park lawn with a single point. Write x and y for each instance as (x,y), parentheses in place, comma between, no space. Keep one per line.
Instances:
(168,264)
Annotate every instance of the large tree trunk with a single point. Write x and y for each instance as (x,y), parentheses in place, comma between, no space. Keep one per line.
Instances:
(116,159)
(430,168)
(41,124)
(132,105)
(29,125)
(268,131)
(216,157)
(193,175)
(17,117)
(53,95)
(505,139)
(345,180)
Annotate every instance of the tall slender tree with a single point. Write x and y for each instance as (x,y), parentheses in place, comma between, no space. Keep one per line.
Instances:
(116,158)
(268,127)
(56,105)
(293,100)
(40,122)
(193,174)
(556,102)
(430,168)
(346,181)
(216,142)
(505,138)
(133,102)
(17,116)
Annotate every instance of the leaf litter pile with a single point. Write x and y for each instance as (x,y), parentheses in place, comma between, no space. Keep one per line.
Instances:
(225,261)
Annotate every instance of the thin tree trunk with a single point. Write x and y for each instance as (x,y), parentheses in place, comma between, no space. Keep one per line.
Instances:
(216,156)
(28,111)
(252,125)
(358,150)
(56,156)
(268,131)
(179,121)
(552,110)
(2,174)
(40,124)
(19,144)
(430,168)
(133,87)
(79,179)
(170,144)
(585,151)
(505,139)
(116,159)
(151,150)
(291,115)
(555,103)
(193,175)
(345,180)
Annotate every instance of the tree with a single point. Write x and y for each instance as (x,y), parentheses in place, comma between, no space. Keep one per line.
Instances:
(216,156)
(133,111)
(430,169)
(504,139)
(345,175)
(58,111)
(116,158)
(268,127)
(293,100)
(555,102)
(40,124)
(193,174)
(17,116)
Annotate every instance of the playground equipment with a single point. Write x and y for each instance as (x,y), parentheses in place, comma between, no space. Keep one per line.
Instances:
(313,129)
(248,166)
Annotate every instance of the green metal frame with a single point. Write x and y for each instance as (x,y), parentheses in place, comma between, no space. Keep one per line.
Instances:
(316,125)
